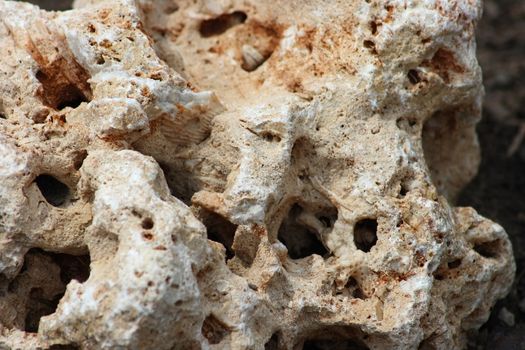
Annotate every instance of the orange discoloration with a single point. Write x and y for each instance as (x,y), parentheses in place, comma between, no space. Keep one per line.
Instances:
(443,63)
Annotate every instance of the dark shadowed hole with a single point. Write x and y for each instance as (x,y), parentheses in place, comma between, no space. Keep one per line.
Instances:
(214,329)
(219,230)
(324,344)
(300,240)
(64,347)
(55,192)
(220,24)
(404,189)
(373,27)
(4,283)
(72,267)
(369,44)
(37,307)
(413,77)
(147,224)
(79,158)
(273,342)
(440,276)
(406,185)
(365,234)
(68,95)
(354,289)
(454,264)
(488,249)
(335,338)
(428,343)
(270,137)
(53,5)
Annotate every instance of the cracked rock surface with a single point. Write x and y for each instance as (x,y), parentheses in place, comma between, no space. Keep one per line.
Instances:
(242,174)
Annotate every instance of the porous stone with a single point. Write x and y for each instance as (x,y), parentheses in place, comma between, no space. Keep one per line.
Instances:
(242,174)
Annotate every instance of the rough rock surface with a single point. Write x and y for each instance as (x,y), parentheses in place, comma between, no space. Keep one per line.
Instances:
(242,174)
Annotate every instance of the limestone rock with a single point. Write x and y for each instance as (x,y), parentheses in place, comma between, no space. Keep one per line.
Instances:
(242,174)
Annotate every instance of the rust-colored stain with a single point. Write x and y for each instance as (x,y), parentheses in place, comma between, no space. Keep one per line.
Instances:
(63,80)
(443,62)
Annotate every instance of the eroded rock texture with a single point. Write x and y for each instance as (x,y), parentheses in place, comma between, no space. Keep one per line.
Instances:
(242,174)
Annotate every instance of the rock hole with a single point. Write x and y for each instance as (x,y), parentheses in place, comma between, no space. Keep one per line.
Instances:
(270,137)
(214,329)
(454,264)
(55,192)
(53,5)
(444,63)
(365,234)
(78,159)
(371,46)
(489,250)
(220,24)
(405,185)
(440,276)
(148,236)
(403,191)
(60,94)
(252,58)
(354,289)
(298,233)
(273,342)
(64,347)
(37,307)
(219,229)
(47,290)
(373,27)
(72,267)
(413,77)
(323,344)
(100,60)
(147,224)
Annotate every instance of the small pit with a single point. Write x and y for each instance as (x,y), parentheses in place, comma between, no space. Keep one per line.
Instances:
(54,191)
(53,5)
(335,338)
(147,223)
(325,344)
(78,159)
(301,239)
(365,234)
(413,77)
(352,286)
(489,250)
(214,329)
(220,24)
(219,229)
(273,342)
(60,94)
(44,285)
(454,264)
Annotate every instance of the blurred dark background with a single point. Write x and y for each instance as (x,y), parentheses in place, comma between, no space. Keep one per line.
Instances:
(498,191)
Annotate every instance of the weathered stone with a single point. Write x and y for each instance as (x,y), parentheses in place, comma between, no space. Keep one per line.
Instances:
(242,174)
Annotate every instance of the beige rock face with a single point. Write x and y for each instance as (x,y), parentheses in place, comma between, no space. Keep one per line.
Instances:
(242,174)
